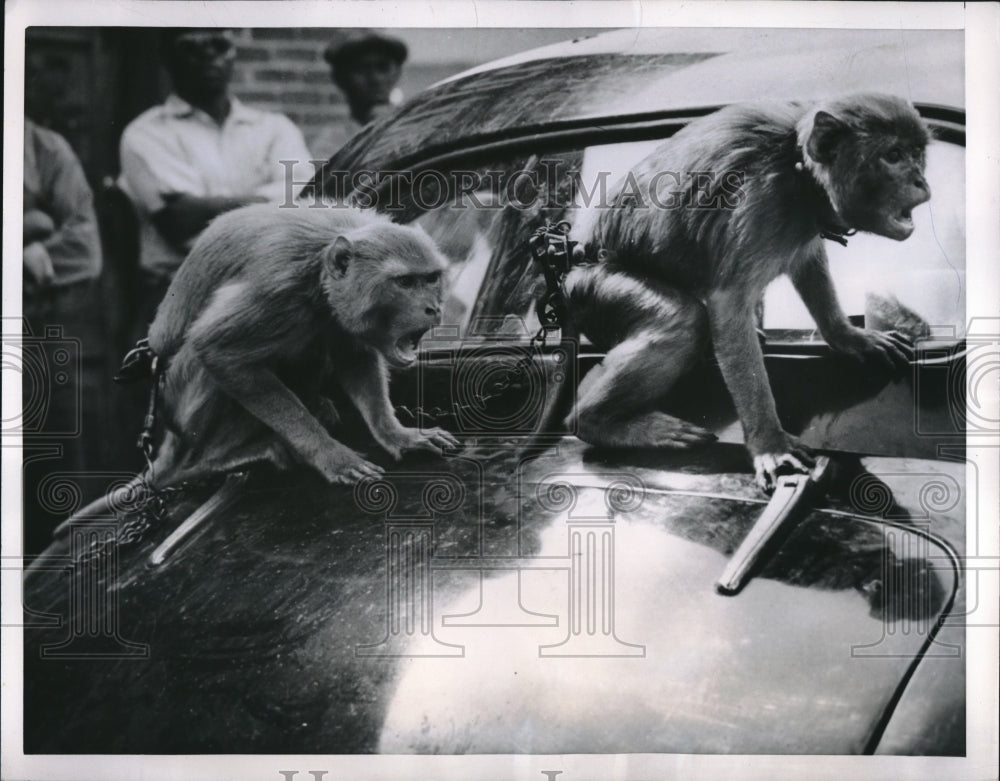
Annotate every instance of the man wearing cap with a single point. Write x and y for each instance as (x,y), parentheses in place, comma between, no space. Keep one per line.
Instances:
(202,152)
(365,66)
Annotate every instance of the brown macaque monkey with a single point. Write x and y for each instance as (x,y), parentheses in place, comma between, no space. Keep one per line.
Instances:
(732,201)
(269,306)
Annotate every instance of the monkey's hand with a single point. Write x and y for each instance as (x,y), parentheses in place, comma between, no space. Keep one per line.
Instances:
(436,440)
(780,458)
(342,465)
(886,348)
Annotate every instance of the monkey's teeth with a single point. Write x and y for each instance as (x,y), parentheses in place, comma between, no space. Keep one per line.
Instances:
(901,224)
(406,347)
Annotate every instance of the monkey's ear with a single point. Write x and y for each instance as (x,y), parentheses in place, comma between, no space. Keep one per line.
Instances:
(826,133)
(337,256)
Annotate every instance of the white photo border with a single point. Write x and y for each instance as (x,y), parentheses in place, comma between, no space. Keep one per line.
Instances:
(981,23)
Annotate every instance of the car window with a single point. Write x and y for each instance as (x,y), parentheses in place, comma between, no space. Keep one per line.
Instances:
(917,285)
(484,232)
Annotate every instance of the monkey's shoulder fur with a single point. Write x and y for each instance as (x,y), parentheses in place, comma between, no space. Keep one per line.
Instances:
(278,250)
(744,164)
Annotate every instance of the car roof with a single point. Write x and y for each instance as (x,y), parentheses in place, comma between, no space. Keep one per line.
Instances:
(750,64)
(641,73)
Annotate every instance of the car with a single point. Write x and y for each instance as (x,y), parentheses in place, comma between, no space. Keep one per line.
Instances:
(531,593)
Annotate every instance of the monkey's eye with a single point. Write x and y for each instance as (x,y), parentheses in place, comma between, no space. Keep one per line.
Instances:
(407,280)
(433,278)
(894,155)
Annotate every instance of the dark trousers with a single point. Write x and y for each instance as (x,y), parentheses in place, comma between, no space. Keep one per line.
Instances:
(64,384)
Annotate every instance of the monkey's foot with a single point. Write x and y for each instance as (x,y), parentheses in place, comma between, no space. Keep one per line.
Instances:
(796,457)
(651,429)
(345,467)
(436,440)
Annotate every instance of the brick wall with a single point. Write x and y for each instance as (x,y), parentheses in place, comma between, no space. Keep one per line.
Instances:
(282,69)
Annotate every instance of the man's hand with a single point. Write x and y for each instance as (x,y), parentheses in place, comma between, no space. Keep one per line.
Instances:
(38,226)
(185,216)
(38,265)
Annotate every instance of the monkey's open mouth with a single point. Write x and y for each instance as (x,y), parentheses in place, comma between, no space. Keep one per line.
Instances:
(404,351)
(902,222)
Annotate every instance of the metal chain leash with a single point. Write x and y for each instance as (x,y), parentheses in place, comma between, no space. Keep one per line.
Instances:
(154,505)
(141,363)
(151,510)
(555,254)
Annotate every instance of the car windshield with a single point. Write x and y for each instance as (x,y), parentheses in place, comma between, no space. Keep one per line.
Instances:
(483,218)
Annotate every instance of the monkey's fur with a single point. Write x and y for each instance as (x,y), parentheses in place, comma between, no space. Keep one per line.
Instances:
(673,278)
(269,306)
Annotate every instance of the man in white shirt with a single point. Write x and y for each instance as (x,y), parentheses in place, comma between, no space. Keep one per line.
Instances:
(199,154)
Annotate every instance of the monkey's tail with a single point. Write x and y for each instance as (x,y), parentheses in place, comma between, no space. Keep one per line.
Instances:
(596,303)
(609,303)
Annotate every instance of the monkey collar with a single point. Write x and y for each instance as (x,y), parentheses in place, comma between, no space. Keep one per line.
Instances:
(830,226)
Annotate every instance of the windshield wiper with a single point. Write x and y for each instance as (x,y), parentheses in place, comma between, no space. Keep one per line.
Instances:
(793,494)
